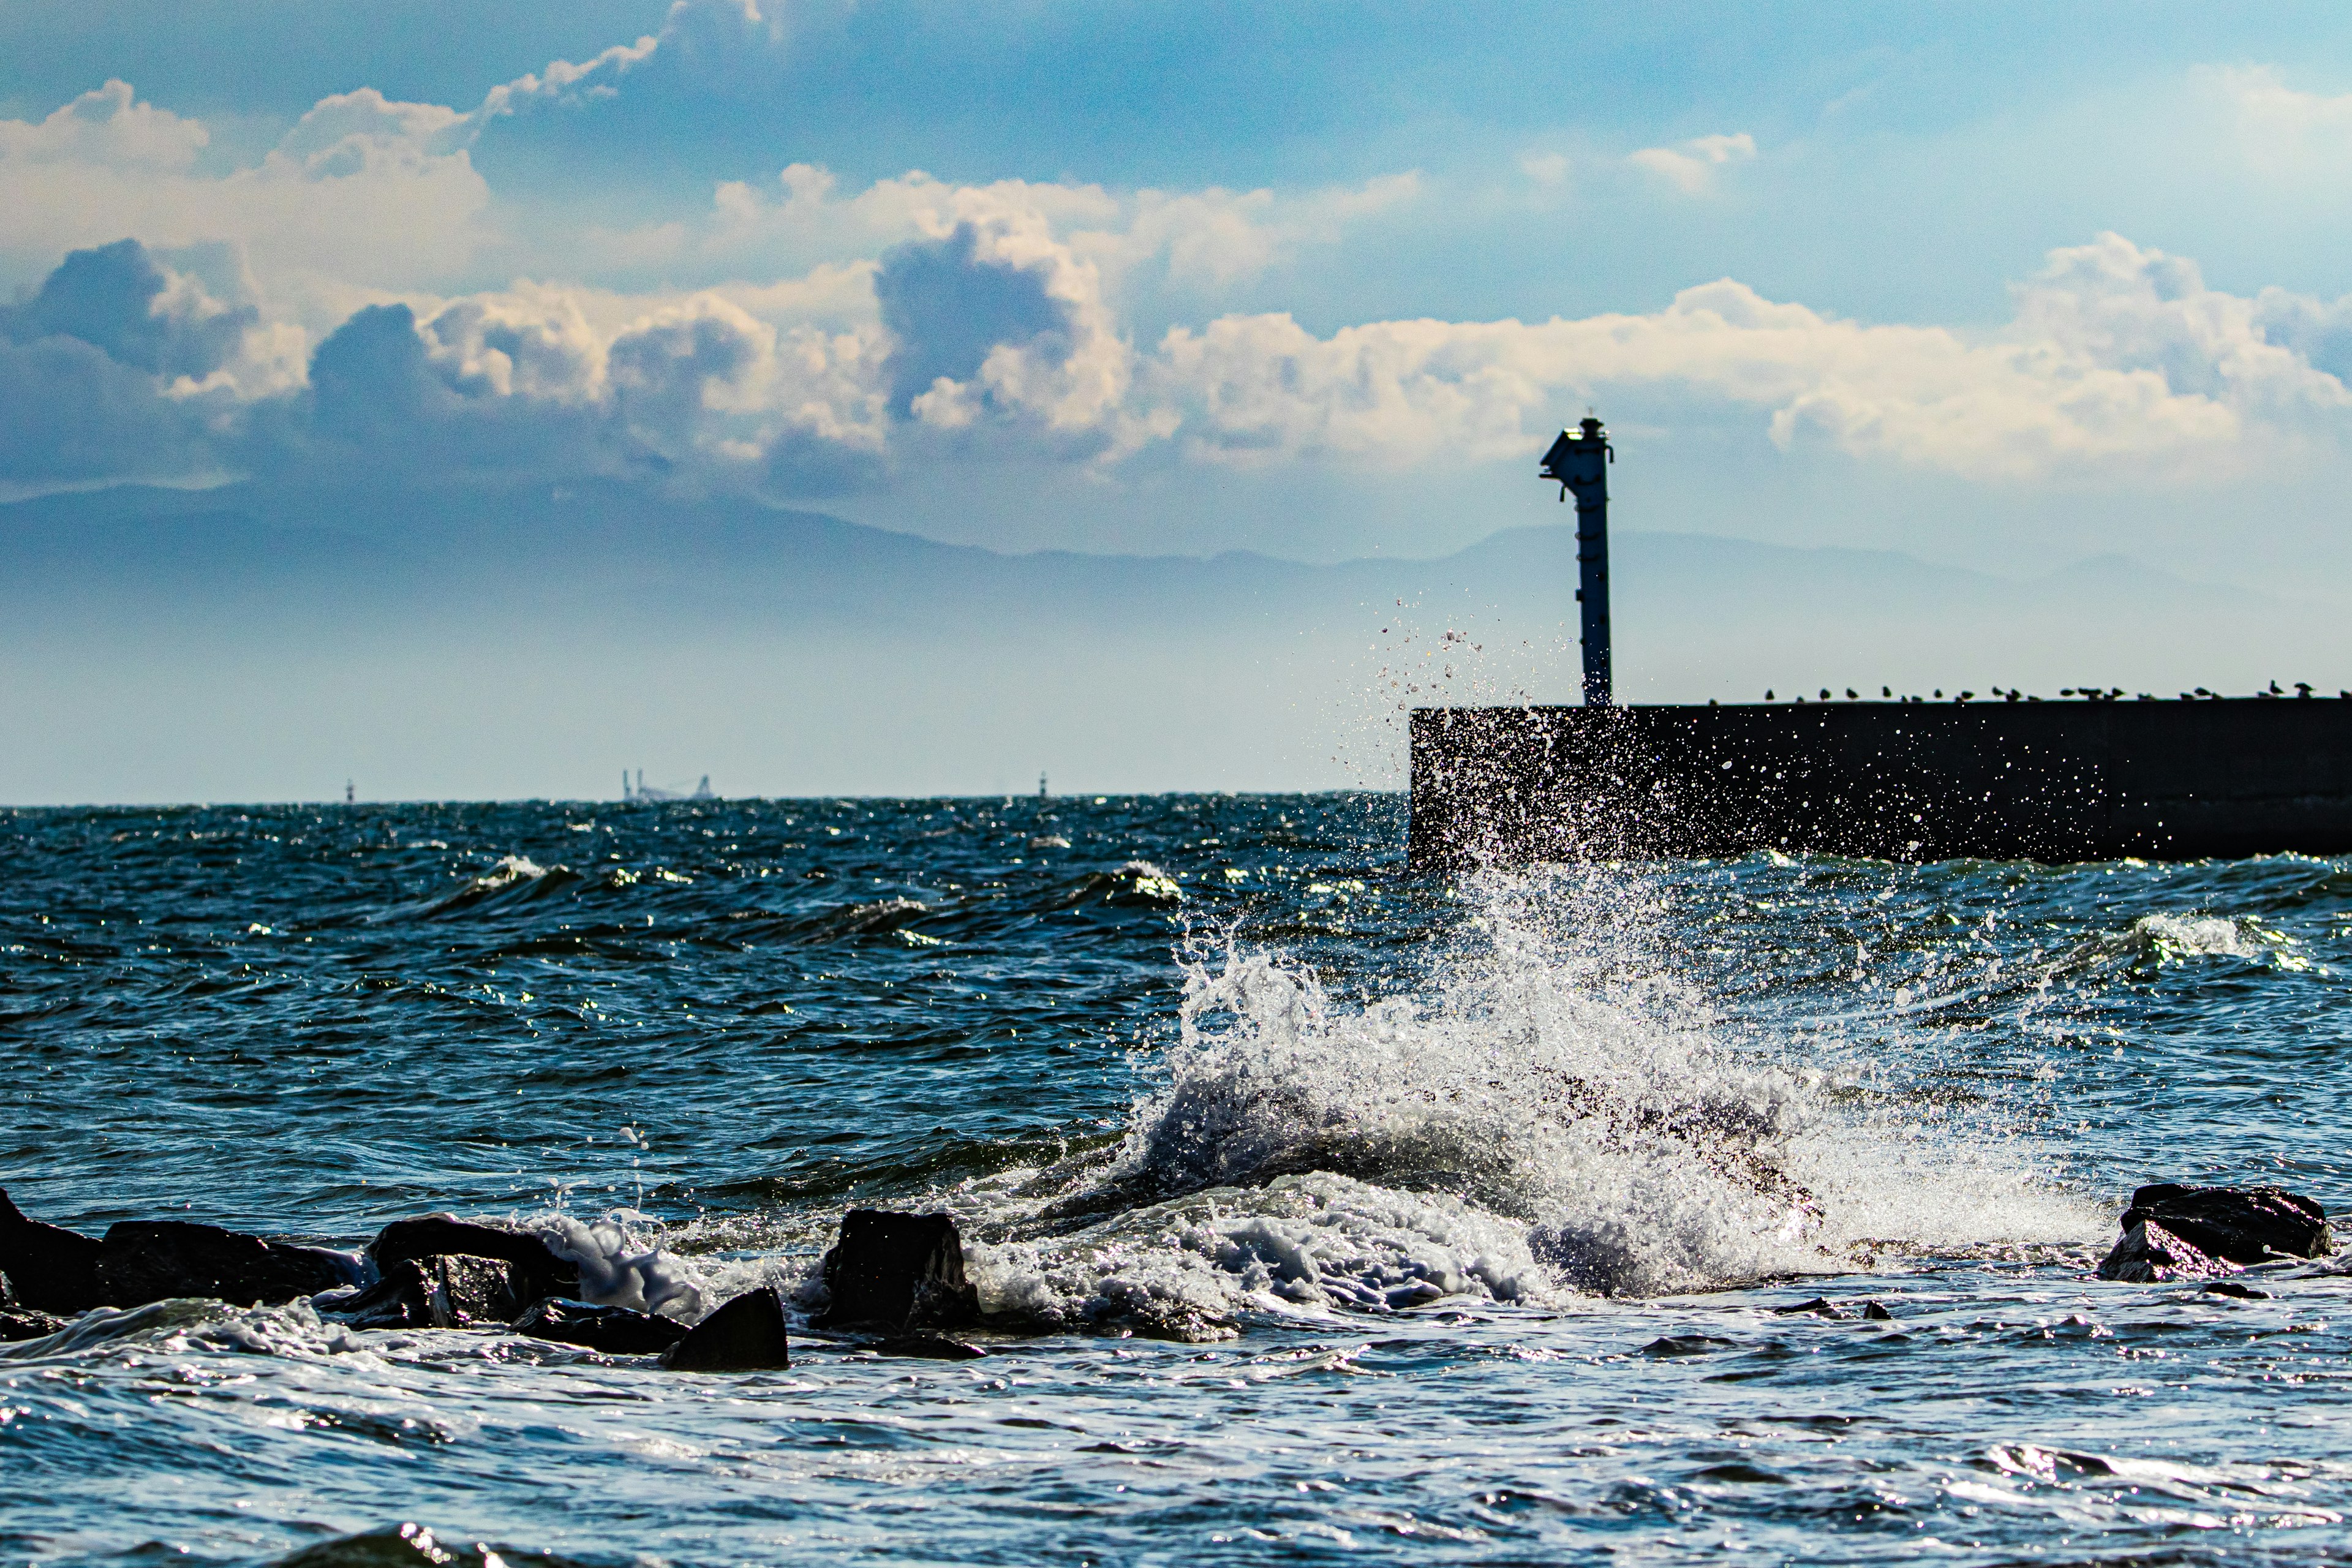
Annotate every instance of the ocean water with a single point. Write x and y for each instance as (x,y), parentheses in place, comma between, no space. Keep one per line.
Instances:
(1332,1212)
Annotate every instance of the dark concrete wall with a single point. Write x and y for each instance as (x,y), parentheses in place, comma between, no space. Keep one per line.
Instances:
(2046,781)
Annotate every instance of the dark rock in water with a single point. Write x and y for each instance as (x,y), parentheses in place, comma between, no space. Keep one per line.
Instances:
(616,1331)
(401,1298)
(153,1260)
(933,1347)
(1674,1346)
(539,1272)
(2233,1287)
(478,1289)
(2176,1232)
(1819,1307)
(24,1324)
(897,1270)
(1877,1314)
(746,1334)
(452,1292)
(48,1267)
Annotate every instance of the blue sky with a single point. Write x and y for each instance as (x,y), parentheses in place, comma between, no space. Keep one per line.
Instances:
(2000,285)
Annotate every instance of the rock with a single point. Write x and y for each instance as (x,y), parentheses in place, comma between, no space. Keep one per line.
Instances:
(24,1324)
(616,1331)
(897,1270)
(400,1298)
(449,1292)
(153,1260)
(539,1272)
(48,1267)
(746,1334)
(2233,1287)
(2176,1232)
(1819,1307)
(933,1347)
(1877,1314)
(478,1289)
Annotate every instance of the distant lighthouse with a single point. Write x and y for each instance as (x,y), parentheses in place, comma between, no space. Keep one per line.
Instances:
(1579,461)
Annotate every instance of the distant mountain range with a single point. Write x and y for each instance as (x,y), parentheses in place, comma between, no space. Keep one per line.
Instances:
(613,548)
(289,628)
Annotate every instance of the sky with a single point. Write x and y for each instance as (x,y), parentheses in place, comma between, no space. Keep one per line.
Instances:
(1999,286)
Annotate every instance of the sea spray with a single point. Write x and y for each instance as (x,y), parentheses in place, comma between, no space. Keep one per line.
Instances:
(1549,1113)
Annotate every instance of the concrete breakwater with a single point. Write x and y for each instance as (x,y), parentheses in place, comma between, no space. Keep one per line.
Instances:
(1912,781)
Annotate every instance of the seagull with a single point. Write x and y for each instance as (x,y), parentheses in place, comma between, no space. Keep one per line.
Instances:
(1887,691)
(2202,692)
(2277,690)
(1767,694)
(1826,694)
(2302,688)
(1848,694)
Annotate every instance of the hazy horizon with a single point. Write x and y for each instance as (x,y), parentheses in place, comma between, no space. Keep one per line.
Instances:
(2003,295)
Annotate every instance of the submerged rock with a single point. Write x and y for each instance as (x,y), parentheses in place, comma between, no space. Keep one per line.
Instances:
(930,1347)
(24,1324)
(48,1267)
(618,1331)
(746,1334)
(2173,1231)
(897,1271)
(153,1260)
(538,1272)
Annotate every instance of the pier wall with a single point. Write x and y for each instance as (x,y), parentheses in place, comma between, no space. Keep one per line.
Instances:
(2044,781)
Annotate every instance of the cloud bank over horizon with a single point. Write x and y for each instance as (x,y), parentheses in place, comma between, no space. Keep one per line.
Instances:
(191,317)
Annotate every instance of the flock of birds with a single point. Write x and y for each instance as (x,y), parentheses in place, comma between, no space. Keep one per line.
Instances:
(2302,689)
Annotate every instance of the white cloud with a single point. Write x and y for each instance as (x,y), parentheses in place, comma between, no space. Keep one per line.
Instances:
(107,126)
(2118,358)
(2279,127)
(362,192)
(1691,166)
(1545,168)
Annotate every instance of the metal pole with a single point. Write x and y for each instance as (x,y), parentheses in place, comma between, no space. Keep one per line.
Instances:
(1581,462)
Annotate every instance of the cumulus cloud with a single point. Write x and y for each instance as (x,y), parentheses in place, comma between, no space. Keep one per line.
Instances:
(1691,166)
(362,192)
(323,313)
(2116,355)
(117,299)
(109,126)
(948,308)
(995,336)
(116,366)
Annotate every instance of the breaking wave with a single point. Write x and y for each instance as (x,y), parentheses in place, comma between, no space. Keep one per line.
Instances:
(1540,1121)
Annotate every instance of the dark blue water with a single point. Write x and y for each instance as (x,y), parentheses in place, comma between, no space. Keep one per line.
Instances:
(1342,1212)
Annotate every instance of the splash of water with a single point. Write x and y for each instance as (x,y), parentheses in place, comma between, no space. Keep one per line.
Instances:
(1549,1114)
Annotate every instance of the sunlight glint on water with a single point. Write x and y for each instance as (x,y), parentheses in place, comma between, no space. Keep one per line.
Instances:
(1337,1211)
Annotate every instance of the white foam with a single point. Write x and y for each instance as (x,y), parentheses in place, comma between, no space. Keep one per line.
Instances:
(510,869)
(618,1268)
(1549,1114)
(2198,934)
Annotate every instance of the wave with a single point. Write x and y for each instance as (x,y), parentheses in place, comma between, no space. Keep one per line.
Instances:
(2161,940)
(1545,1118)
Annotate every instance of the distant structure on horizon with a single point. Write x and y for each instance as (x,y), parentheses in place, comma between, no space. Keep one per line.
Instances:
(1902,779)
(643,791)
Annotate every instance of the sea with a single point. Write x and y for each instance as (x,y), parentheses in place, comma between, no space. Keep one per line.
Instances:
(1325,1211)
